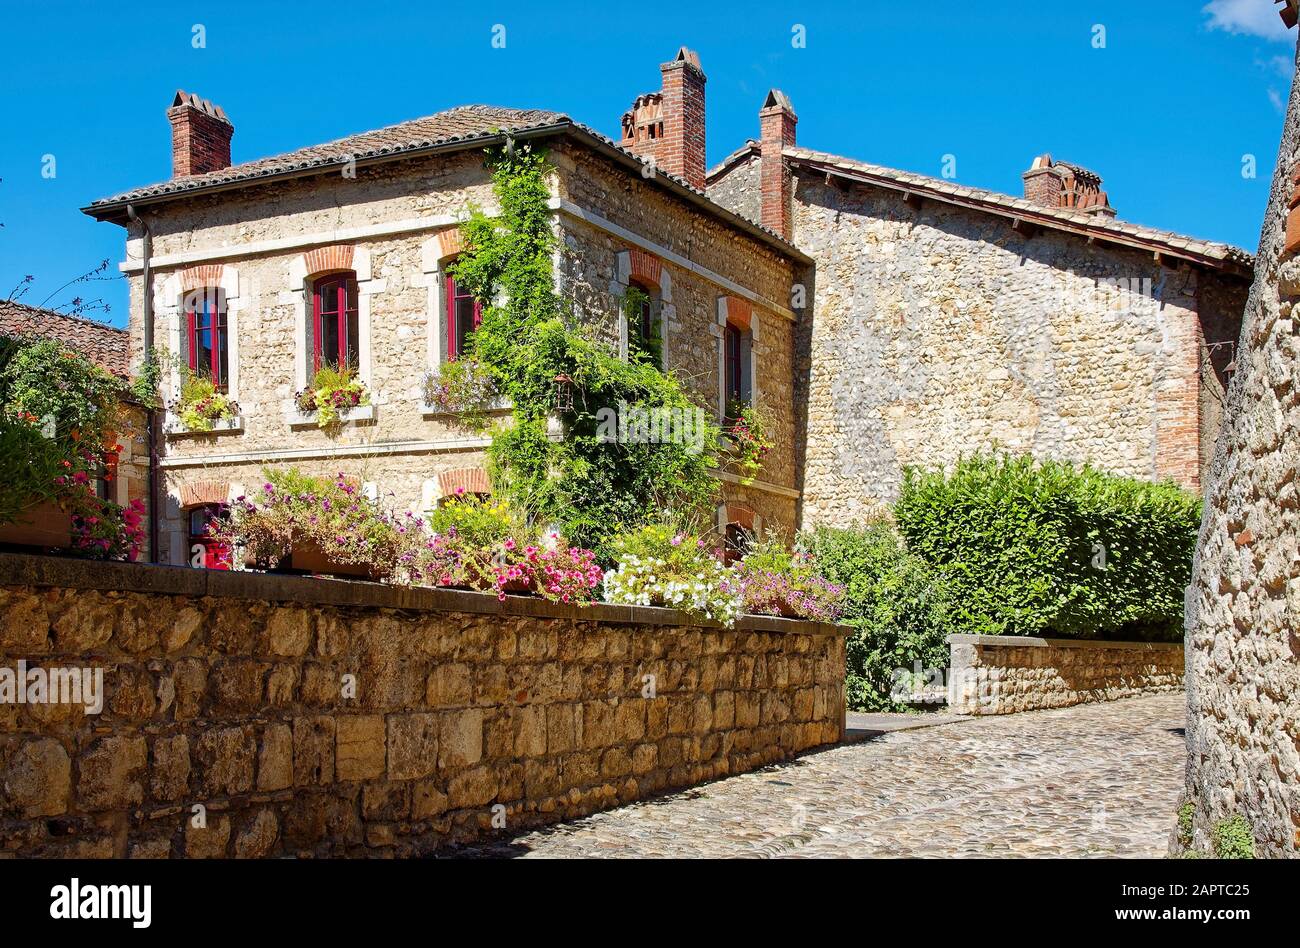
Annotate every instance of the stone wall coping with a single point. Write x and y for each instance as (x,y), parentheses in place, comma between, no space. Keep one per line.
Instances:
(19,569)
(1026,641)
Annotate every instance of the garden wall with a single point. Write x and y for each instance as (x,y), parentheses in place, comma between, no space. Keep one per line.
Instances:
(318,717)
(1002,674)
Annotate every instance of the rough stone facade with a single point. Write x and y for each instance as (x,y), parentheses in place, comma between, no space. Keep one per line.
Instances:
(1003,674)
(938,331)
(230,692)
(1243,645)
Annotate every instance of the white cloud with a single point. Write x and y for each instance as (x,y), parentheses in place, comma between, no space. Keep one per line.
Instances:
(1251,17)
(1276,98)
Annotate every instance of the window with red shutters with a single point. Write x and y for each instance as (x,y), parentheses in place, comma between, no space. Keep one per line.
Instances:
(335,326)
(207,336)
(464,313)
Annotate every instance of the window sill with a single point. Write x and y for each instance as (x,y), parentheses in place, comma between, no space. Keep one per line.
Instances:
(299,419)
(173,427)
(499,405)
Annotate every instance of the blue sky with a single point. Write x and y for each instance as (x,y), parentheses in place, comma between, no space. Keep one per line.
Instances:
(1165,112)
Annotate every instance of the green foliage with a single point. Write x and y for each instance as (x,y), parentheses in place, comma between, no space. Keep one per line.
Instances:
(648,349)
(475,522)
(44,379)
(772,580)
(750,443)
(145,386)
(1186,816)
(1053,549)
(589,486)
(464,389)
(29,464)
(900,608)
(1234,839)
(660,566)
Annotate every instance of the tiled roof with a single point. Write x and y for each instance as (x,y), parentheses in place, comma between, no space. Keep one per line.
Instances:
(104,345)
(1210,253)
(465,122)
(466,126)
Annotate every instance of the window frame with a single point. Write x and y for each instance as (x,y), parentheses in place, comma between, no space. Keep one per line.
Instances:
(345,285)
(733,385)
(215,555)
(452,323)
(212,305)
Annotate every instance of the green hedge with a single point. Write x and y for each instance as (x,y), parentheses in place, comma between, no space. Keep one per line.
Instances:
(1053,549)
(899,607)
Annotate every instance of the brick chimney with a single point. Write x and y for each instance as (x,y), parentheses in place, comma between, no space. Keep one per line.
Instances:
(668,125)
(200,135)
(1059,184)
(776,122)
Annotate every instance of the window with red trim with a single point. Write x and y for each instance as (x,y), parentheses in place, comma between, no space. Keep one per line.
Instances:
(207,336)
(733,365)
(201,521)
(464,314)
(335,325)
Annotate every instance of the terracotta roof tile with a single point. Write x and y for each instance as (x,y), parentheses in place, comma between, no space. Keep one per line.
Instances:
(104,345)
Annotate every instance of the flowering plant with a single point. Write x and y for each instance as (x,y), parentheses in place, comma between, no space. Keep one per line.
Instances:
(464,388)
(293,508)
(201,405)
(331,392)
(558,572)
(104,530)
(658,566)
(747,428)
(474,522)
(772,581)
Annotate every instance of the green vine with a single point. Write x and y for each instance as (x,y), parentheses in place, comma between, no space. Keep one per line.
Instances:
(649,349)
(590,485)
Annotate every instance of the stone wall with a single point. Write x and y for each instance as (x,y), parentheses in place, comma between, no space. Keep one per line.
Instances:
(1003,674)
(1243,640)
(940,331)
(318,717)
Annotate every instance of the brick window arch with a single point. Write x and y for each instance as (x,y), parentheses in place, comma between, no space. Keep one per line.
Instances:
(462,481)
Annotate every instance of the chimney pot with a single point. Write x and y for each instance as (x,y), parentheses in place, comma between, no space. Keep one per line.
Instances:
(200,135)
(1059,184)
(668,126)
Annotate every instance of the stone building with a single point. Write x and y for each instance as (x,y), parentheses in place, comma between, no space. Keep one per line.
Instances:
(881,318)
(1243,644)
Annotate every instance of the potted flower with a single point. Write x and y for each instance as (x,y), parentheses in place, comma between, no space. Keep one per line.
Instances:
(463,389)
(201,407)
(661,566)
(332,392)
(770,580)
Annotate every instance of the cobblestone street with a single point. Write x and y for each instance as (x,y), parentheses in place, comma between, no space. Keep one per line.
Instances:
(1092,780)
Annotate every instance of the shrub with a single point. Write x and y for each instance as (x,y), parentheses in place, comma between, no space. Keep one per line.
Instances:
(475,523)
(658,566)
(1053,549)
(749,441)
(773,581)
(899,607)
(1234,839)
(43,379)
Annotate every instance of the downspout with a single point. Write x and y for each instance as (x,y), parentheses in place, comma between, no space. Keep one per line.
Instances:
(152,412)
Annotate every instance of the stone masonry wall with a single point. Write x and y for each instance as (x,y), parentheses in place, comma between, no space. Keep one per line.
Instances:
(1243,638)
(1003,674)
(940,331)
(229,692)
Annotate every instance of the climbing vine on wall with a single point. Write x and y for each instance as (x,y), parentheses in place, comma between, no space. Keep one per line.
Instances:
(570,458)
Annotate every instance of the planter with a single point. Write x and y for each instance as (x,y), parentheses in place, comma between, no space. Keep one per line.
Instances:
(300,419)
(309,557)
(42,524)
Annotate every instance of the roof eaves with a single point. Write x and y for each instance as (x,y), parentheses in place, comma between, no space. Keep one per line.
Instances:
(1210,254)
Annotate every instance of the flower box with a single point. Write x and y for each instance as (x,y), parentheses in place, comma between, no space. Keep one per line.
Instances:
(301,419)
(308,556)
(174,427)
(43,524)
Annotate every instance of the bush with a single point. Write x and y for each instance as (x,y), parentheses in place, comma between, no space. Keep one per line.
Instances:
(1053,549)
(1233,839)
(900,610)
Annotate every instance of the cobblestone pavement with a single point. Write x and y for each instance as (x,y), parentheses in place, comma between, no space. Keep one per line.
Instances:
(1092,780)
